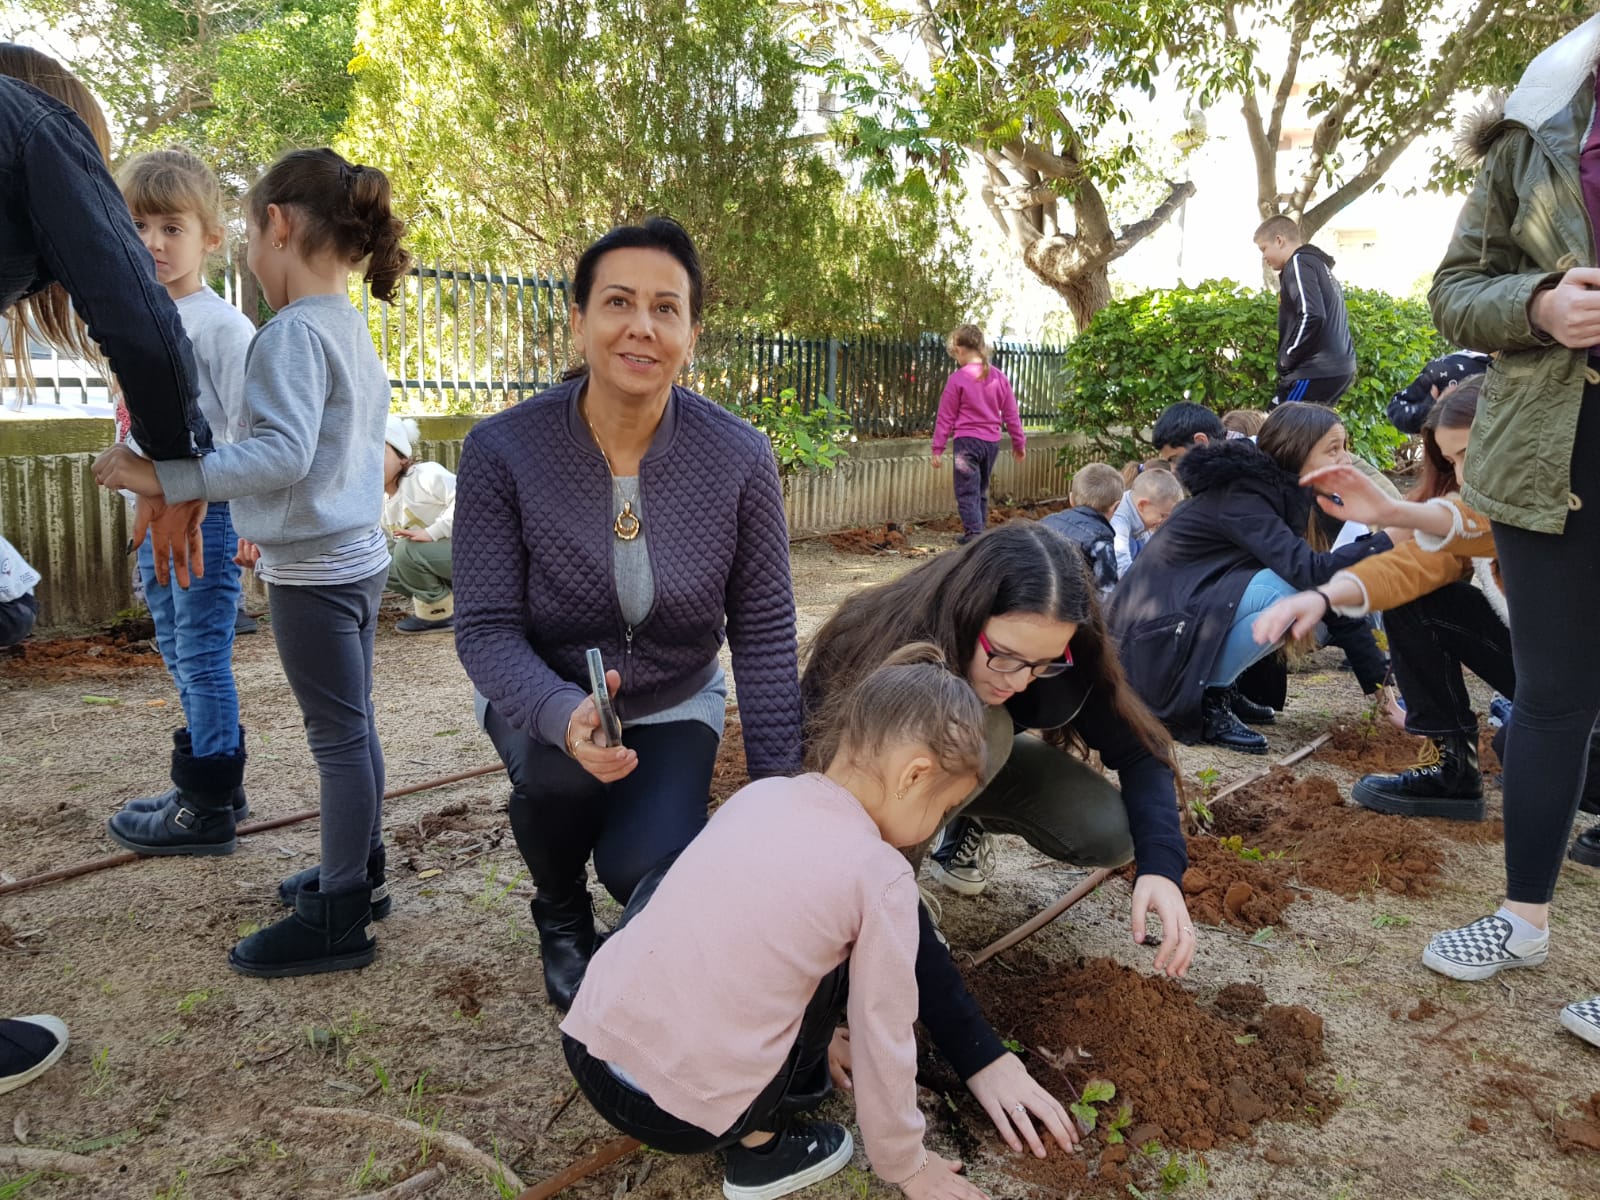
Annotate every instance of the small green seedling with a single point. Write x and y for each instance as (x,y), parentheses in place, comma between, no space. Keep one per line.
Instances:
(192,1001)
(492,893)
(367,1173)
(1390,921)
(1263,935)
(100,1070)
(1096,1091)
(1117,1124)
(1013,1045)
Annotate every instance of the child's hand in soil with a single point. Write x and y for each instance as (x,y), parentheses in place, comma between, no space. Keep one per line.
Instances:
(839,1058)
(938,1180)
(1178,935)
(1014,1099)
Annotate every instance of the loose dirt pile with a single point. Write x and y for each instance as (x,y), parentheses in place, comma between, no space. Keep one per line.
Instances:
(1191,1077)
(1220,886)
(1370,747)
(1332,845)
(78,658)
(894,538)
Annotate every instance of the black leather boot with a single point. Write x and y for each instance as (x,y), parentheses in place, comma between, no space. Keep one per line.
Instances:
(567,940)
(325,932)
(1248,711)
(377,880)
(1586,847)
(1219,727)
(1444,783)
(197,817)
(182,741)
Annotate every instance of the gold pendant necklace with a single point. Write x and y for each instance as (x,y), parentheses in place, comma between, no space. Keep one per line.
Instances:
(627,525)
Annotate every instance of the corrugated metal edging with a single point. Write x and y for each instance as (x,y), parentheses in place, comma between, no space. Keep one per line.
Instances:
(877,490)
(73,532)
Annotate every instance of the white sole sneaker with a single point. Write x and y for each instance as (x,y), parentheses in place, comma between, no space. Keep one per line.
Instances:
(1478,951)
(1478,971)
(964,887)
(55,1026)
(831,1165)
(1582,1018)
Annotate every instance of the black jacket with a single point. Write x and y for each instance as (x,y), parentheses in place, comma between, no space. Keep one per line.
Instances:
(1095,538)
(1411,405)
(1313,330)
(1172,610)
(63,220)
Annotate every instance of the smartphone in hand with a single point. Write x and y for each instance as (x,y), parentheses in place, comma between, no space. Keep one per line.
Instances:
(610,731)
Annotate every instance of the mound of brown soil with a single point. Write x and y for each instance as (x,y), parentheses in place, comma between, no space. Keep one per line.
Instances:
(78,658)
(876,539)
(892,538)
(1193,1077)
(1220,886)
(1366,747)
(1332,845)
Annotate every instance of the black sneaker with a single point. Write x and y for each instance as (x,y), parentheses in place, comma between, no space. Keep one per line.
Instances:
(244,623)
(29,1046)
(807,1152)
(416,624)
(965,859)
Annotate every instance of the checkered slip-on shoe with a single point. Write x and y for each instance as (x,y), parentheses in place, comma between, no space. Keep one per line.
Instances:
(1582,1017)
(1480,950)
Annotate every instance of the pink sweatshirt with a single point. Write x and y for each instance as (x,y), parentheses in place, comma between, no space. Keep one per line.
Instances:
(699,998)
(974,408)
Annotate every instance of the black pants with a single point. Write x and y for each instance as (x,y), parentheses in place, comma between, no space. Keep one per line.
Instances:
(1431,640)
(1312,391)
(17,618)
(1551,584)
(560,814)
(801,1084)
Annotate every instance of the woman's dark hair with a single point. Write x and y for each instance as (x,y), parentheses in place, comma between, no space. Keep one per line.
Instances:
(1453,410)
(1020,567)
(1293,431)
(657,233)
(338,207)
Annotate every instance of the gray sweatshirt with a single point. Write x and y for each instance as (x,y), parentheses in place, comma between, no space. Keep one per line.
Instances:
(309,477)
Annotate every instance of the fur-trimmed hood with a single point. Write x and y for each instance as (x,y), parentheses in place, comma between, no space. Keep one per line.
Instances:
(1545,90)
(1219,463)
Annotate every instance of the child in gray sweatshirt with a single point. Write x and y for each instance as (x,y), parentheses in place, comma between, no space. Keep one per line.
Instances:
(306,490)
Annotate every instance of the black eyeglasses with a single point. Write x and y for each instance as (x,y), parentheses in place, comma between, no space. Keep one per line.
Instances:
(1010,664)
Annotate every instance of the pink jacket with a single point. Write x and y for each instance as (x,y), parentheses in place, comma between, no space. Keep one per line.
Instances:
(699,997)
(975,408)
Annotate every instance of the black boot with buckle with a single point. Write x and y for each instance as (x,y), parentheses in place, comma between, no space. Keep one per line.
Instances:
(1248,711)
(1445,782)
(567,939)
(181,740)
(197,816)
(1220,727)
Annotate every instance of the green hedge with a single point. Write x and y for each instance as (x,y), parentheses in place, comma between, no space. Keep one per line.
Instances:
(1216,344)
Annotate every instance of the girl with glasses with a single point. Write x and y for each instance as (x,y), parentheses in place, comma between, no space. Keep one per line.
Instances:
(1017,611)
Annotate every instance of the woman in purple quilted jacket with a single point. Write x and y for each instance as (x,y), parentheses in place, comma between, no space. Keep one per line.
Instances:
(619,511)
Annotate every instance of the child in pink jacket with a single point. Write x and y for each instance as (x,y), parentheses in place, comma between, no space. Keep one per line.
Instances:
(976,400)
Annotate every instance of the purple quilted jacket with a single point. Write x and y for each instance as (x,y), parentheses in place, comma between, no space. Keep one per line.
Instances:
(534,586)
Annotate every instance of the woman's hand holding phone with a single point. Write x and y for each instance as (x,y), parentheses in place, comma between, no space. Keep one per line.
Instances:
(586,743)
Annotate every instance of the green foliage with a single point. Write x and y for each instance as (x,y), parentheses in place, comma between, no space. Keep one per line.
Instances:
(239,80)
(518,132)
(1216,344)
(800,437)
(1096,1091)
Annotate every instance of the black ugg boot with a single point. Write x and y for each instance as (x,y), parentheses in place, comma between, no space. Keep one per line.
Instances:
(377,880)
(1219,726)
(331,932)
(567,941)
(198,816)
(1585,847)
(1444,783)
(1248,711)
(182,741)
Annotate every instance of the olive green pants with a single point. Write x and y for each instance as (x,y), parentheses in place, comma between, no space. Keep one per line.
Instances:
(420,569)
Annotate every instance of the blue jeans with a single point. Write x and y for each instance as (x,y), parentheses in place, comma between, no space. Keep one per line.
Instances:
(194,630)
(1239,649)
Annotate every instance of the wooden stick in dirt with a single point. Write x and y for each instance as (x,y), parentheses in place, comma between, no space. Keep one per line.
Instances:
(609,1153)
(29,1158)
(450,1145)
(118,860)
(422,1181)
(1032,926)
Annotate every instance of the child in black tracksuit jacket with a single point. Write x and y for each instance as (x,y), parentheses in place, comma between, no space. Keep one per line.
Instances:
(1316,358)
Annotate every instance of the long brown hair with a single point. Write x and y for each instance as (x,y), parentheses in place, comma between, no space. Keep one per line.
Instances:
(1453,410)
(1289,436)
(1020,567)
(969,337)
(47,315)
(339,207)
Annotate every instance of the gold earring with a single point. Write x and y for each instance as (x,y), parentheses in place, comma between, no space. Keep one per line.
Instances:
(277,245)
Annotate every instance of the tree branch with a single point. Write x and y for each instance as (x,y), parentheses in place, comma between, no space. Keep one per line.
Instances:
(1132,235)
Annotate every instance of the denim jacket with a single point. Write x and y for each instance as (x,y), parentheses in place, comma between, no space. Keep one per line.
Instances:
(63,220)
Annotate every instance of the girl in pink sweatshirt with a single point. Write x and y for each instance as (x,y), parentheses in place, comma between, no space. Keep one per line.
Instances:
(976,400)
(703,1023)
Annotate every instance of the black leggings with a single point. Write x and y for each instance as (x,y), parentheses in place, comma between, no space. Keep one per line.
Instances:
(560,814)
(1552,581)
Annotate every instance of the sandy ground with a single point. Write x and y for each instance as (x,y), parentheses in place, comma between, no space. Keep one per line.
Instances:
(181,1076)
